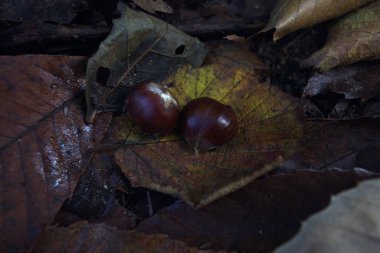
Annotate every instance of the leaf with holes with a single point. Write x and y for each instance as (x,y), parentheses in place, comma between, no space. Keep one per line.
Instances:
(291,15)
(43,142)
(353,38)
(270,126)
(140,47)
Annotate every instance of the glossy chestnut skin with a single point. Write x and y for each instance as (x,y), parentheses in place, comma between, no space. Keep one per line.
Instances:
(207,124)
(153,108)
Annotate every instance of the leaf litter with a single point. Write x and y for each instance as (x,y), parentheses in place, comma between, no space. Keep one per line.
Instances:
(270,128)
(42,160)
(140,47)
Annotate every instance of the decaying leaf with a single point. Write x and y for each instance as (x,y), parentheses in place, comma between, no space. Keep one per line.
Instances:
(152,6)
(60,11)
(140,47)
(356,81)
(82,237)
(270,127)
(94,195)
(337,143)
(257,218)
(43,142)
(350,224)
(353,38)
(291,15)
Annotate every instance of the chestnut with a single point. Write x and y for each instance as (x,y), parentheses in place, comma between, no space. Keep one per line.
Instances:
(207,124)
(153,108)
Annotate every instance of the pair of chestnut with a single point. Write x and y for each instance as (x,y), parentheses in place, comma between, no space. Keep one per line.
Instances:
(204,122)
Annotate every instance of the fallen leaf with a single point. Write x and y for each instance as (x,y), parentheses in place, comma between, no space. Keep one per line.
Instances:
(369,158)
(94,195)
(291,15)
(337,143)
(152,6)
(355,81)
(354,37)
(60,11)
(372,109)
(258,217)
(83,237)
(270,127)
(140,47)
(43,142)
(351,223)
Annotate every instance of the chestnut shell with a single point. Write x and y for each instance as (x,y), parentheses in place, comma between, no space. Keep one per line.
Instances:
(153,108)
(207,124)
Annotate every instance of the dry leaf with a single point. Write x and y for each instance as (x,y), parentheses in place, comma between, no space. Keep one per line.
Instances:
(257,218)
(356,81)
(350,224)
(270,127)
(152,6)
(82,237)
(140,47)
(353,38)
(43,142)
(291,15)
(337,143)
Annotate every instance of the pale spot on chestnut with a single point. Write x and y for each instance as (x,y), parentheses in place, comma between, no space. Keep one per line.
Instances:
(153,108)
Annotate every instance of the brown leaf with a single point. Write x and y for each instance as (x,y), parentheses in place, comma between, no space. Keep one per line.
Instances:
(60,11)
(83,237)
(354,37)
(140,47)
(337,143)
(256,218)
(152,6)
(291,15)
(352,219)
(356,81)
(43,142)
(270,127)
(94,195)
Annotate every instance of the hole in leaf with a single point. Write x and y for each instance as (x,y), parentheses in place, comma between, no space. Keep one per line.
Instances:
(102,75)
(180,49)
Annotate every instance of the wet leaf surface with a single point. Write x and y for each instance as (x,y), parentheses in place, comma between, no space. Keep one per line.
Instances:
(257,218)
(31,92)
(354,37)
(270,127)
(44,151)
(140,47)
(337,143)
(291,15)
(355,81)
(60,11)
(83,237)
(352,219)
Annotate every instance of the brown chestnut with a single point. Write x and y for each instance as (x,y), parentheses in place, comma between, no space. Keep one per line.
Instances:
(207,124)
(153,108)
